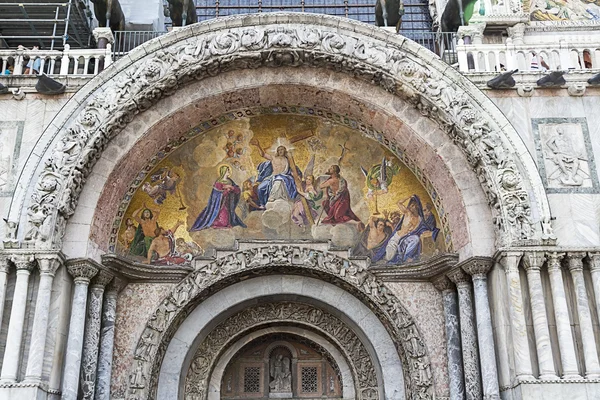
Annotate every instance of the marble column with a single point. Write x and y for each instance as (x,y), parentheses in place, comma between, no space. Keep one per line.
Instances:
(455,361)
(4,264)
(590,354)
(594,268)
(478,268)
(48,264)
(561,315)
(14,338)
(82,271)
(533,261)
(468,336)
(91,340)
(510,262)
(107,339)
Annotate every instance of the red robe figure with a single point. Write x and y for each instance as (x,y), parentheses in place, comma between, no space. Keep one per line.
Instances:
(337,198)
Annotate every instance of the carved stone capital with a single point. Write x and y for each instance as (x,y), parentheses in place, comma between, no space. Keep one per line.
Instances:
(516,33)
(443,283)
(103,33)
(48,263)
(478,267)
(510,260)
(575,260)
(4,264)
(23,262)
(594,261)
(115,286)
(82,270)
(554,259)
(533,260)
(102,278)
(458,276)
(474,31)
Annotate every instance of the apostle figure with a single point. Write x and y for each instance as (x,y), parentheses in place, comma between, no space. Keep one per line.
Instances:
(276,176)
(281,374)
(337,198)
(220,210)
(145,232)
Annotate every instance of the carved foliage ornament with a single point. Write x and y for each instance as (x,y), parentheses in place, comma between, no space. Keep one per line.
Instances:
(162,72)
(207,354)
(174,308)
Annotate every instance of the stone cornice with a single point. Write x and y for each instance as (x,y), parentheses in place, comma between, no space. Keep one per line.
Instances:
(422,271)
(138,272)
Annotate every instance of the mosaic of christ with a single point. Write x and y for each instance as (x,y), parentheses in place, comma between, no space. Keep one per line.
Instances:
(280,177)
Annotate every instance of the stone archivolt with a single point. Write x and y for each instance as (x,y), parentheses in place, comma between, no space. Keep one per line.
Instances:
(216,49)
(285,312)
(171,312)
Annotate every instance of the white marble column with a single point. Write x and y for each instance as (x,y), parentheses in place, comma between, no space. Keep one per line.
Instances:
(594,268)
(533,261)
(561,315)
(107,339)
(468,336)
(82,271)
(91,341)
(4,264)
(14,338)
(590,354)
(510,262)
(455,361)
(478,268)
(48,264)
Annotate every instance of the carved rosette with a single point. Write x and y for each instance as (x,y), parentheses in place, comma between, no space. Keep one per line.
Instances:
(218,340)
(82,271)
(174,308)
(384,63)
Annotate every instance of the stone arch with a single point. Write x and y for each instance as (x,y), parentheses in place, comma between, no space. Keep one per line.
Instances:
(346,378)
(75,140)
(272,347)
(352,278)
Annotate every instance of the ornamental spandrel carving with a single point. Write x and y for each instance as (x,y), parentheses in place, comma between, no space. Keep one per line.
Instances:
(174,308)
(162,72)
(216,341)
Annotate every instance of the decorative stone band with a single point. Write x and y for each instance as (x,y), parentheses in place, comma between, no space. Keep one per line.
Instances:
(82,269)
(220,338)
(281,259)
(160,67)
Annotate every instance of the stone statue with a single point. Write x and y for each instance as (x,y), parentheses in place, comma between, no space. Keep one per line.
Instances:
(281,374)
(566,158)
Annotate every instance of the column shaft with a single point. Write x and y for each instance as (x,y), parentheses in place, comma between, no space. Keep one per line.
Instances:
(39,329)
(592,365)
(533,263)
(107,340)
(523,369)
(455,361)
(14,339)
(561,313)
(595,269)
(3,280)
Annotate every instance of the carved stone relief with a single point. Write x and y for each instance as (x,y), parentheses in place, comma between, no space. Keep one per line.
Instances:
(565,156)
(162,72)
(11,133)
(176,306)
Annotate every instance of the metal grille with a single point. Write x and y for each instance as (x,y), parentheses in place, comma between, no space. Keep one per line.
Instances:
(309,379)
(252,379)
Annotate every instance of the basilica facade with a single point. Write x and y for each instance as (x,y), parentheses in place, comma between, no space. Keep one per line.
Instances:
(304,206)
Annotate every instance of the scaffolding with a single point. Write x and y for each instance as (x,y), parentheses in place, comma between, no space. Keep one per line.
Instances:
(49,25)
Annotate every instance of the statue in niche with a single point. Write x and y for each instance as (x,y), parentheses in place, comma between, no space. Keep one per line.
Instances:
(281,373)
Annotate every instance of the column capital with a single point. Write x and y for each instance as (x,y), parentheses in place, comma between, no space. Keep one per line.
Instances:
(82,270)
(575,260)
(102,278)
(510,260)
(48,263)
(23,262)
(594,261)
(533,260)
(4,264)
(554,259)
(443,283)
(103,33)
(116,285)
(477,267)
(458,276)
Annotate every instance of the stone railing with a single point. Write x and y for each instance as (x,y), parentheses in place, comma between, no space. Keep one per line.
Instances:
(70,62)
(561,55)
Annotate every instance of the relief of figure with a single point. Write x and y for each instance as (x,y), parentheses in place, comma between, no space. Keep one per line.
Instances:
(281,373)
(566,158)
(220,210)
(337,198)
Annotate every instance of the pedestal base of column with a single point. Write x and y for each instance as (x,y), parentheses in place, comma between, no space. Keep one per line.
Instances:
(7,381)
(572,377)
(525,378)
(592,376)
(549,377)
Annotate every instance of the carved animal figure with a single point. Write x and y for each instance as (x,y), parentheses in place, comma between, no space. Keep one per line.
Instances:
(183,12)
(503,81)
(109,14)
(389,13)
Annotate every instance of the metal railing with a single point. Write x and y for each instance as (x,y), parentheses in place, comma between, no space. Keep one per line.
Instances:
(125,41)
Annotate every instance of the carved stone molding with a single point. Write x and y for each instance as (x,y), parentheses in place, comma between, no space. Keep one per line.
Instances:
(82,269)
(225,271)
(286,312)
(213,47)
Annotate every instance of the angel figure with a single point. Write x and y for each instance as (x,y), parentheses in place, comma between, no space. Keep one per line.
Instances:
(311,193)
(378,179)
